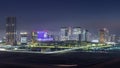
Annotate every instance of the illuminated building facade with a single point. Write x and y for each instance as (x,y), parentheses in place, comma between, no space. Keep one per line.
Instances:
(104,36)
(69,33)
(44,36)
(76,34)
(113,38)
(55,35)
(64,33)
(88,36)
(11,31)
(34,36)
(24,38)
(85,35)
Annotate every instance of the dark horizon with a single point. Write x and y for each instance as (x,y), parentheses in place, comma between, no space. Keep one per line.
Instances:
(53,14)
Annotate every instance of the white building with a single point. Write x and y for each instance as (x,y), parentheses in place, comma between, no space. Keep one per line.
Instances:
(76,34)
(63,34)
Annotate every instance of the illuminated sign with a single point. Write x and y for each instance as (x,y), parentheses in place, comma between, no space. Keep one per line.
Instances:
(43,36)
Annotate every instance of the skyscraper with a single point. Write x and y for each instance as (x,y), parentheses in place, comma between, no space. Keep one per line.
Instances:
(76,34)
(11,30)
(113,38)
(34,36)
(69,32)
(84,35)
(104,35)
(64,33)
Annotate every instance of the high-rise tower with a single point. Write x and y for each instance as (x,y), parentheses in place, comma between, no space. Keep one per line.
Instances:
(104,35)
(64,32)
(11,30)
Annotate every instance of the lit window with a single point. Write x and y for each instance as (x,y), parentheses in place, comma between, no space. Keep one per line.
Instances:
(13,24)
(6,24)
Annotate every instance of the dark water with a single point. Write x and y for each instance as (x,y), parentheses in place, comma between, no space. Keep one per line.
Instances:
(58,60)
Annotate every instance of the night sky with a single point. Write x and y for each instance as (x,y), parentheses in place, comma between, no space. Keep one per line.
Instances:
(53,14)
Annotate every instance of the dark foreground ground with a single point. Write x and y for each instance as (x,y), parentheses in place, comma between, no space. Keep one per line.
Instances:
(59,60)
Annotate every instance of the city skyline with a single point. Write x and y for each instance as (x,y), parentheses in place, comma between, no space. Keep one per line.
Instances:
(50,14)
(59,33)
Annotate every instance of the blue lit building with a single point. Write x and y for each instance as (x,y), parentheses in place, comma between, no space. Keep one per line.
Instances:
(43,36)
